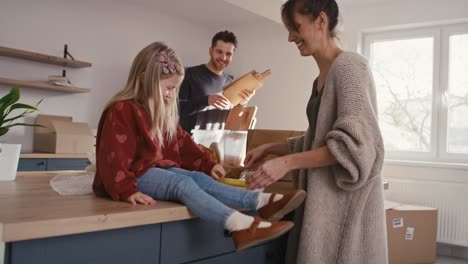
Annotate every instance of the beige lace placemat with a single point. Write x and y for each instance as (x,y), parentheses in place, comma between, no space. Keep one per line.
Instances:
(79,184)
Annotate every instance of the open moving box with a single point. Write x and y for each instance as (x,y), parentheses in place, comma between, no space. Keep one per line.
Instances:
(61,135)
(412,233)
(258,137)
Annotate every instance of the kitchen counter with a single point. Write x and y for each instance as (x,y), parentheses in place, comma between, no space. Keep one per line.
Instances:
(30,208)
(37,225)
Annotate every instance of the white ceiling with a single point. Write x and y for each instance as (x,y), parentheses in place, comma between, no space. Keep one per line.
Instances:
(212,13)
(222,13)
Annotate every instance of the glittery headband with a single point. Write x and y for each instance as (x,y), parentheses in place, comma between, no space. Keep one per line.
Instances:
(167,65)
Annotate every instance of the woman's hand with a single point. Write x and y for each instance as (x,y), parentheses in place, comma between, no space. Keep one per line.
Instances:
(218,172)
(255,155)
(268,173)
(141,198)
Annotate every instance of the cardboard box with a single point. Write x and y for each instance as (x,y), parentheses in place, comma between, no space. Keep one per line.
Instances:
(411,232)
(258,137)
(61,135)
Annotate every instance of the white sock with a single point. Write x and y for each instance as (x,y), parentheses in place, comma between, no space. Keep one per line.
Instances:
(238,221)
(263,199)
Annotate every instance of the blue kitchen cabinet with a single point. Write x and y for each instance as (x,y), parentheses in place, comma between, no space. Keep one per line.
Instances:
(52,164)
(118,246)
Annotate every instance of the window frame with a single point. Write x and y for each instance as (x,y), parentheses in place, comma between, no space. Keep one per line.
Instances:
(440,68)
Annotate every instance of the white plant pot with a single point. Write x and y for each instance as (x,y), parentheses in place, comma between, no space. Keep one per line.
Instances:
(9,158)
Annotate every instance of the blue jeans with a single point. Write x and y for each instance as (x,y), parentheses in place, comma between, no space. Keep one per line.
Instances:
(204,196)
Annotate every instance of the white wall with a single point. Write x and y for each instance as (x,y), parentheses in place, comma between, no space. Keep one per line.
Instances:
(106,33)
(283,98)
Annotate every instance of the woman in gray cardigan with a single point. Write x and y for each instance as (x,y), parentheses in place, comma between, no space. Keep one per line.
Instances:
(339,159)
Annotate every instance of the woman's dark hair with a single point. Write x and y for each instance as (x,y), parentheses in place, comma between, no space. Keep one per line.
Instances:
(225,36)
(312,9)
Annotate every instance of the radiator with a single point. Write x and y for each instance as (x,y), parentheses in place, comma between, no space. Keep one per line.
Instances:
(451,200)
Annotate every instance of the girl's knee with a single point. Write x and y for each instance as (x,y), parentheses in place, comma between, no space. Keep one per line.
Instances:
(184,183)
(201,177)
(203,181)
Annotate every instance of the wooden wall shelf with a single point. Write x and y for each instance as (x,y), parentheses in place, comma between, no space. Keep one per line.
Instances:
(44,85)
(33,56)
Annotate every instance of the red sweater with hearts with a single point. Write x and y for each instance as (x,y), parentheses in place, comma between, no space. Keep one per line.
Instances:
(125,151)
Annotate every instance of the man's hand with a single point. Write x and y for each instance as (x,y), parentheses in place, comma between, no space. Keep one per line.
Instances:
(246,95)
(141,198)
(218,172)
(218,101)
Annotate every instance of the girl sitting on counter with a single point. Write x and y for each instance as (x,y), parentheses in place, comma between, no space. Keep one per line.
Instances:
(143,155)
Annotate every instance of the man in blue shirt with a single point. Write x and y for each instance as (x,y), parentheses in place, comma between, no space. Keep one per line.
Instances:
(201,104)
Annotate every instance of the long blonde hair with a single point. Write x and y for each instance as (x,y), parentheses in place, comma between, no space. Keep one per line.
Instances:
(143,86)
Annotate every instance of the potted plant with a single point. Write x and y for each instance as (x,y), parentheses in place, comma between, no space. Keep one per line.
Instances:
(9,153)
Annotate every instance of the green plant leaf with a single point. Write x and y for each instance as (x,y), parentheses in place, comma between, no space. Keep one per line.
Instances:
(22,124)
(9,120)
(8,104)
(10,98)
(3,131)
(22,106)
(6,101)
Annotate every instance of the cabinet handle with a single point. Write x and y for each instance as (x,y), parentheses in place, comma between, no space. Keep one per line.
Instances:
(227,233)
(42,163)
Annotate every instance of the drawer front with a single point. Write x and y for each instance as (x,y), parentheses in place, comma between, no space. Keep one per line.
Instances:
(119,246)
(66,164)
(190,240)
(32,164)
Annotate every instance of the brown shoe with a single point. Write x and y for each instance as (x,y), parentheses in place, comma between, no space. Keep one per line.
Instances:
(254,235)
(274,211)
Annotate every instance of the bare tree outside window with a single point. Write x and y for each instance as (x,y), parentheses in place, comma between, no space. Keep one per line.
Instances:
(403,73)
(457,95)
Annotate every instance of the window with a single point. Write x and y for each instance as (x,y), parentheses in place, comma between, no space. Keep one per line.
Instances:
(421,78)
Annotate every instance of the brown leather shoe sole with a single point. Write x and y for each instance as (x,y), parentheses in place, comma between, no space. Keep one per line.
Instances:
(283,230)
(290,206)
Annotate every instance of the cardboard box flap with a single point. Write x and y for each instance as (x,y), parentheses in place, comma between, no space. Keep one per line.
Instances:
(257,137)
(46,120)
(73,128)
(406,207)
(390,204)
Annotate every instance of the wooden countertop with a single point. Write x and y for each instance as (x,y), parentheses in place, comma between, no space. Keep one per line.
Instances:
(30,208)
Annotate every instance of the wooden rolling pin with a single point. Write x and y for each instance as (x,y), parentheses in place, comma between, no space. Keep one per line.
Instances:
(250,81)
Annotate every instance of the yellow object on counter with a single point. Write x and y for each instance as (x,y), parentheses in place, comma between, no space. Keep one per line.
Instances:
(234,182)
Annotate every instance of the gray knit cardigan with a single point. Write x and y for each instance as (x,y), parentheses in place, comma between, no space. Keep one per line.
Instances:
(342,220)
